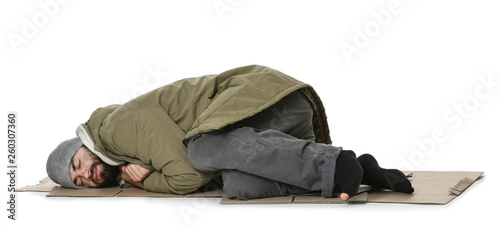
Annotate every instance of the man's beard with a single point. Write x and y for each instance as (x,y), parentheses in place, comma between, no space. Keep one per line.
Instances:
(108,174)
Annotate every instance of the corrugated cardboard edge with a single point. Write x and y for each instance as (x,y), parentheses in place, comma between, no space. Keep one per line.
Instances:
(308,198)
(137,192)
(462,186)
(303,199)
(432,187)
(86,192)
(315,198)
(45,185)
(397,197)
(214,193)
(271,200)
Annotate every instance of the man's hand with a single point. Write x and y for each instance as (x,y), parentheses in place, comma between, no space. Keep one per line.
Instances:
(134,174)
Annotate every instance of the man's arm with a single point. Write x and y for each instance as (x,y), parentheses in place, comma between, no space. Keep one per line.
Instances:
(134,174)
(177,182)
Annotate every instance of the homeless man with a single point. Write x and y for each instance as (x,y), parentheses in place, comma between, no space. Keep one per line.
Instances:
(265,132)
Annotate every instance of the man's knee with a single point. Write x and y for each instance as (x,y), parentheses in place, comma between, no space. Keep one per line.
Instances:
(234,186)
(243,186)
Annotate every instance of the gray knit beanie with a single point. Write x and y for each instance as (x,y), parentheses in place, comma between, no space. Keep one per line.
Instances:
(59,161)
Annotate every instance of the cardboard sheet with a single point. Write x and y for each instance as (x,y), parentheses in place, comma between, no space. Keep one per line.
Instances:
(271,200)
(45,185)
(431,187)
(86,192)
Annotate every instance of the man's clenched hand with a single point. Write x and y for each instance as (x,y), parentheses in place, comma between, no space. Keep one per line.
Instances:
(134,174)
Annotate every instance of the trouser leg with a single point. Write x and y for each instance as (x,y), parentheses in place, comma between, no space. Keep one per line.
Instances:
(293,116)
(243,186)
(269,154)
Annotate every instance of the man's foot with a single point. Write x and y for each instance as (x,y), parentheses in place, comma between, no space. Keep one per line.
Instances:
(348,174)
(378,177)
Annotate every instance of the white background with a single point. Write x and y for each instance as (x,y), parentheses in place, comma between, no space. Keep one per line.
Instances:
(416,65)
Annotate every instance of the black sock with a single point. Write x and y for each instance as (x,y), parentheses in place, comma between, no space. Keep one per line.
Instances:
(378,177)
(348,173)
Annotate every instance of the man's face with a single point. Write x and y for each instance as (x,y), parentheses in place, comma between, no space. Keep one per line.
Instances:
(88,170)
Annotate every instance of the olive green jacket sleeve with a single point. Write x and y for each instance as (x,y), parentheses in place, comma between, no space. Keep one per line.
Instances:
(148,137)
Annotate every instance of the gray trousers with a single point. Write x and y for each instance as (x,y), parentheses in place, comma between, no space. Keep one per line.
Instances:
(273,153)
